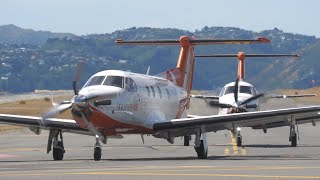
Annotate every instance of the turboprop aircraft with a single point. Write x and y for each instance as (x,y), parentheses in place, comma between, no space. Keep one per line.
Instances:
(241,96)
(113,103)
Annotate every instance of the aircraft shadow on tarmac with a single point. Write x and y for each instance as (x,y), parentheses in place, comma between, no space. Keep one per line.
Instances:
(277,146)
(227,158)
(266,146)
(262,157)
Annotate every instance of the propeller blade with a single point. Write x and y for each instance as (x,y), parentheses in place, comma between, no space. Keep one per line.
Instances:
(251,99)
(92,128)
(236,90)
(79,69)
(56,110)
(219,105)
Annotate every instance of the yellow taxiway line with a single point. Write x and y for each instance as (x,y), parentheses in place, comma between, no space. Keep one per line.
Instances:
(235,148)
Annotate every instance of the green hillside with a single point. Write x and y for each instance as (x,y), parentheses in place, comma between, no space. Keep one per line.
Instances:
(51,64)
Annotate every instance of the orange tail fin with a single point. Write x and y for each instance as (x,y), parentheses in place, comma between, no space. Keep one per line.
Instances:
(182,75)
(241,65)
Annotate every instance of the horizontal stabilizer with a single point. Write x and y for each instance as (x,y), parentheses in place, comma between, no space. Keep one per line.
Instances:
(193,41)
(249,55)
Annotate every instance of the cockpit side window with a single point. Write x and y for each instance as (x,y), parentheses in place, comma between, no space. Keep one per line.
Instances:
(254,91)
(96,80)
(130,85)
(245,89)
(116,81)
(222,92)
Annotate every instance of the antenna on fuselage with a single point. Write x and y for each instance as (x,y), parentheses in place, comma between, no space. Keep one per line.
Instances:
(241,57)
(148,70)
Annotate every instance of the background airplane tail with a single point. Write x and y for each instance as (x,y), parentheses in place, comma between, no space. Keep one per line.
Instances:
(182,75)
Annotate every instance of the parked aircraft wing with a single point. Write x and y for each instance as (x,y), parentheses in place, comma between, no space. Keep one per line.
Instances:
(290,96)
(189,126)
(205,97)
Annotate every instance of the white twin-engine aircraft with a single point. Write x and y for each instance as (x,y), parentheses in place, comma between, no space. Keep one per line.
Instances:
(113,103)
(241,96)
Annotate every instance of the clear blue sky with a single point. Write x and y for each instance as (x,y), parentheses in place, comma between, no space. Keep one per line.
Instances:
(104,16)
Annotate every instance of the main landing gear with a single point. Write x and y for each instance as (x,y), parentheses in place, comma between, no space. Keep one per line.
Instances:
(186,140)
(201,145)
(56,140)
(293,136)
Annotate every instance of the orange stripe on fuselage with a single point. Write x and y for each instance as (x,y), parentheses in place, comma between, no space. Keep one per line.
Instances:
(109,126)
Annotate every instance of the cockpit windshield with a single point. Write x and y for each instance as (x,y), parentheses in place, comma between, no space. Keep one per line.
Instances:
(116,81)
(229,90)
(96,80)
(243,89)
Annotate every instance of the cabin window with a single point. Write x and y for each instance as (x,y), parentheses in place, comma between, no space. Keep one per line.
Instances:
(96,80)
(245,89)
(116,81)
(153,92)
(159,90)
(168,94)
(130,85)
(148,90)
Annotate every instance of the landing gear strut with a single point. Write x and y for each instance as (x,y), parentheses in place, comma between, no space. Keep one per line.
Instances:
(58,147)
(293,136)
(201,145)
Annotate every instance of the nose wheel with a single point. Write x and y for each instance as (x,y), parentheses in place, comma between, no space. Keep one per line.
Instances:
(237,135)
(239,140)
(97,151)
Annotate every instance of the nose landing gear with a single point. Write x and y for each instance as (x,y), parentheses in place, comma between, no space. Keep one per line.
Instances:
(97,151)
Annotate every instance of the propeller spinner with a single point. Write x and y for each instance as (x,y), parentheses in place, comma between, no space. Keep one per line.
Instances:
(79,103)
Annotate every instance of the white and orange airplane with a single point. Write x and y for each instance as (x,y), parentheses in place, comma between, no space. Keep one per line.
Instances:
(113,103)
(241,96)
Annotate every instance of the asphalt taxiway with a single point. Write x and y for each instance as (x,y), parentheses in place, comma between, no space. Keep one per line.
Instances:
(263,156)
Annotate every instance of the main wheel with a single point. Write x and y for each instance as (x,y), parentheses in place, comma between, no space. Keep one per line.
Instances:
(294,140)
(201,151)
(186,140)
(58,151)
(239,141)
(97,154)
